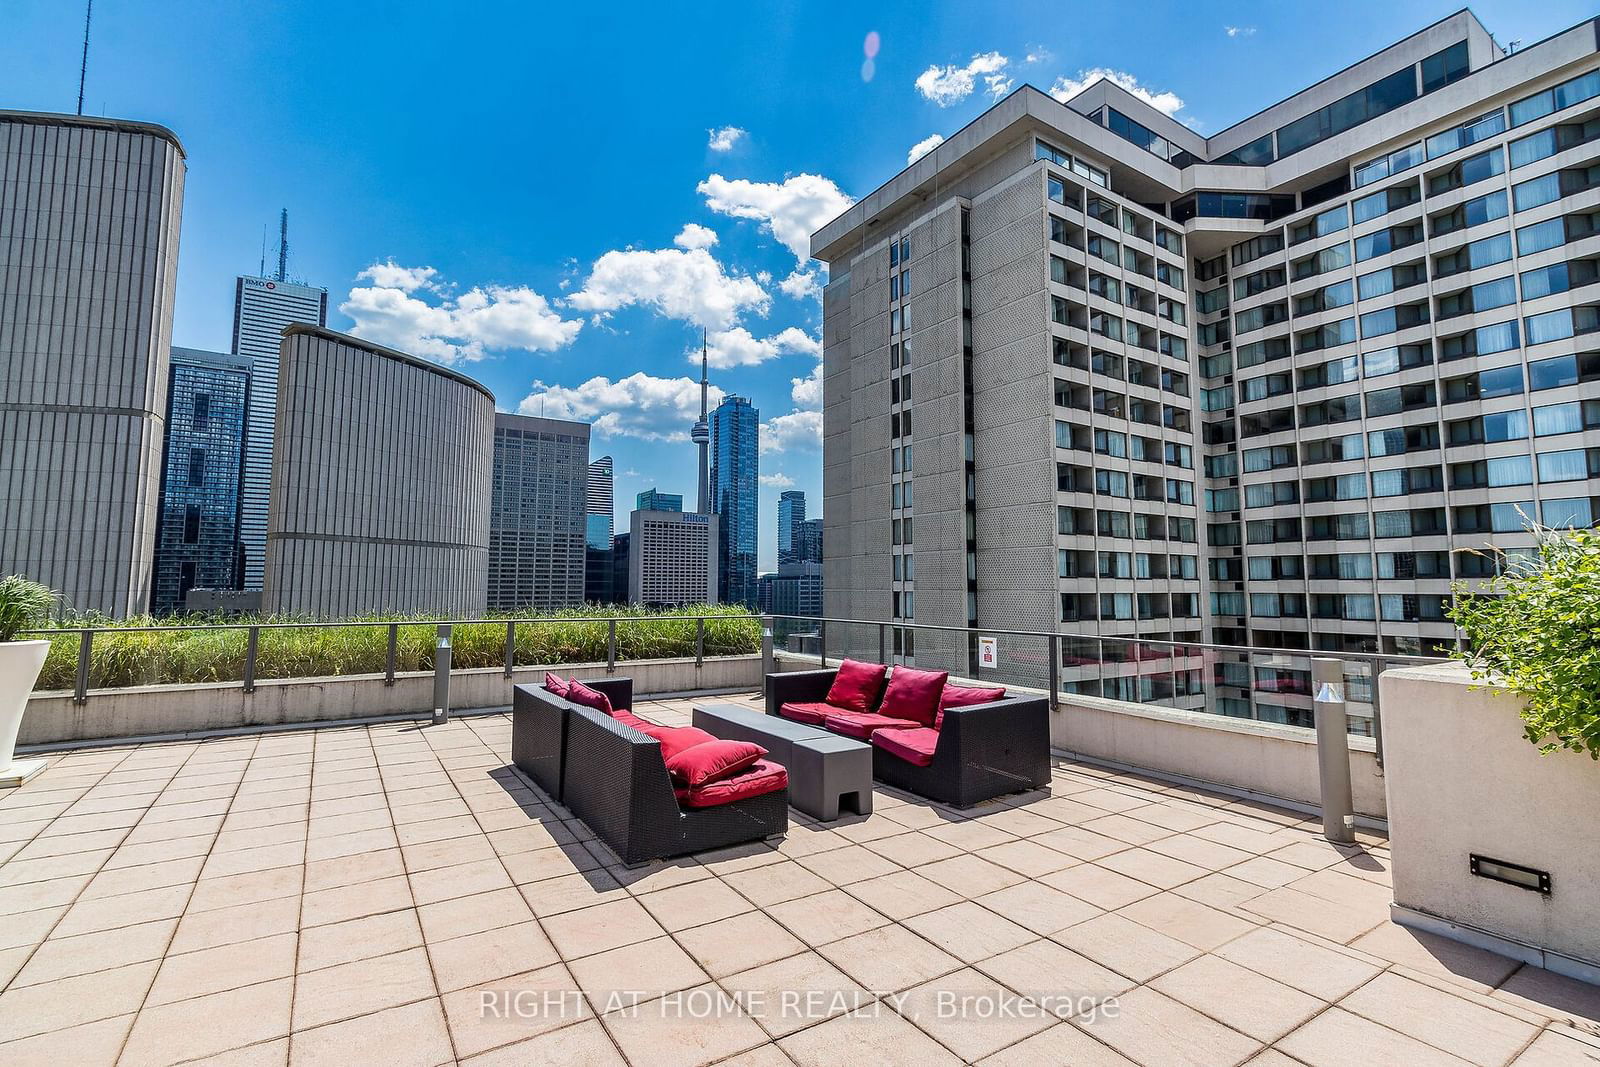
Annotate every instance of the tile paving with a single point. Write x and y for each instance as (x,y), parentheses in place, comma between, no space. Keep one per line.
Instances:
(397,893)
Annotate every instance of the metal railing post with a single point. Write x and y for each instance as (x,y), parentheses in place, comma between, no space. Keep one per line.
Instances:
(252,645)
(511,646)
(80,691)
(611,646)
(822,643)
(392,655)
(1375,669)
(441,675)
(700,641)
(1055,672)
(768,663)
(1333,749)
(883,647)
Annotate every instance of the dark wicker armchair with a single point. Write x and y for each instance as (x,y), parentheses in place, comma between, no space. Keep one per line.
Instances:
(539,729)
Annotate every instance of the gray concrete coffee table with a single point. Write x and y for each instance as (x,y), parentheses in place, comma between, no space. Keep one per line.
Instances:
(826,771)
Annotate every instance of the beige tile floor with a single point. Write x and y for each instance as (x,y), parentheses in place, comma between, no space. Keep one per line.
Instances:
(395,893)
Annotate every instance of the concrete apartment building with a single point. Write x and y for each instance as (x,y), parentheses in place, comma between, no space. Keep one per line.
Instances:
(382,471)
(1254,388)
(537,513)
(197,541)
(672,558)
(262,307)
(89,220)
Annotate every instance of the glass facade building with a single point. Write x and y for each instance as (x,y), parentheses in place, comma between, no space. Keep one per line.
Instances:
(735,497)
(197,537)
(656,500)
(791,520)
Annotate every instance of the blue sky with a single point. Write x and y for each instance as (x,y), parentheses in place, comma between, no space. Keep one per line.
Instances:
(536,193)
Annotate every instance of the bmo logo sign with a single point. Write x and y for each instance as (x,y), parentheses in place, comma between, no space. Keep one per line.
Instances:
(259,283)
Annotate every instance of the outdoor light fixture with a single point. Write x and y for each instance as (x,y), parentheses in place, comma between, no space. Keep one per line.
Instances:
(1510,873)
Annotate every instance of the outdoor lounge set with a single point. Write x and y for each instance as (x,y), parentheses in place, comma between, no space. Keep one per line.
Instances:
(651,791)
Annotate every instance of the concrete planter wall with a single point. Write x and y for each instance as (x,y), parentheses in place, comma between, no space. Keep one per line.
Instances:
(1462,780)
(158,710)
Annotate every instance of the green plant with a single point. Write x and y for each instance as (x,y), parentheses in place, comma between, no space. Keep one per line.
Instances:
(23,605)
(1535,628)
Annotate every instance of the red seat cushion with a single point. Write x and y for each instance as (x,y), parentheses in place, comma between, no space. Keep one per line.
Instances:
(760,779)
(676,739)
(810,714)
(628,718)
(857,686)
(554,683)
(913,745)
(963,696)
(913,694)
(711,760)
(860,724)
(578,693)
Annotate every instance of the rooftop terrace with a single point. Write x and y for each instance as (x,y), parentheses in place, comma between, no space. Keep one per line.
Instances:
(397,891)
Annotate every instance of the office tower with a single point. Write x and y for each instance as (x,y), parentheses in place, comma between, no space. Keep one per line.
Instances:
(791,519)
(809,541)
(656,500)
(381,483)
(1259,387)
(537,517)
(735,497)
(197,539)
(796,590)
(598,504)
(764,591)
(617,576)
(89,218)
(262,307)
(672,558)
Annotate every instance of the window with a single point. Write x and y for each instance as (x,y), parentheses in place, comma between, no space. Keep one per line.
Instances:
(1387,321)
(1485,384)
(1468,133)
(1387,200)
(1392,360)
(1481,253)
(1385,281)
(1331,258)
(197,466)
(1570,466)
(1327,298)
(1396,162)
(1470,213)
(1253,249)
(1376,99)
(1552,100)
(1561,323)
(1549,141)
(1385,241)
(1469,171)
(1331,221)
(1444,67)
(1481,297)
(1326,336)
(202,410)
(1255,154)
(191,524)
(1541,235)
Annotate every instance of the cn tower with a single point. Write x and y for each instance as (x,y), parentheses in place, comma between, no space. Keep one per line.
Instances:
(701,434)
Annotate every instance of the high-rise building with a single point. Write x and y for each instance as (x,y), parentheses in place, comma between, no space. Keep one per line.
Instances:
(381,483)
(598,504)
(89,217)
(791,519)
(262,307)
(796,590)
(672,558)
(735,497)
(618,558)
(808,537)
(656,500)
(197,540)
(1260,387)
(537,517)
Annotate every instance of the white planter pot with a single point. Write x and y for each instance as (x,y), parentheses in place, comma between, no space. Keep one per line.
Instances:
(20,663)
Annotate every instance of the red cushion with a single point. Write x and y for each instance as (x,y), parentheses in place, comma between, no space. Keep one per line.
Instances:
(676,739)
(810,714)
(711,760)
(857,686)
(581,694)
(914,745)
(554,683)
(628,718)
(962,696)
(761,778)
(913,694)
(860,724)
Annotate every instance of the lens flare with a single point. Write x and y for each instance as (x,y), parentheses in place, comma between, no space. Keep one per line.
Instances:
(870,45)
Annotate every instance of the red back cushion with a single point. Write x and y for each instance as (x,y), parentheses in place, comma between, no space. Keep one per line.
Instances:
(579,693)
(962,696)
(675,739)
(913,694)
(553,683)
(857,686)
(711,760)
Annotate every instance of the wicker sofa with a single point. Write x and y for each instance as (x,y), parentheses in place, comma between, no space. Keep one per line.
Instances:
(978,751)
(613,777)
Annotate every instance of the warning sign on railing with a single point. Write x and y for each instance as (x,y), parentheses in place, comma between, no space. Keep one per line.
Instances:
(988,652)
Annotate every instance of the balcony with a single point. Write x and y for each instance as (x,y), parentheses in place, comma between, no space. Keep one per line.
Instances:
(395,890)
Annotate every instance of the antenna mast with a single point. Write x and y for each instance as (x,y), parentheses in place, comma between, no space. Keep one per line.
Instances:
(83,69)
(283,243)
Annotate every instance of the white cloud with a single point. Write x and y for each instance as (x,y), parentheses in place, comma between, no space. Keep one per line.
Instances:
(447,328)
(641,406)
(737,347)
(1037,54)
(777,480)
(725,137)
(791,210)
(694,235)
(796,430)
(923,147)
(802,284)
(807,392)
(947,86)
(679,283)
(1239,31)
(1164,101)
